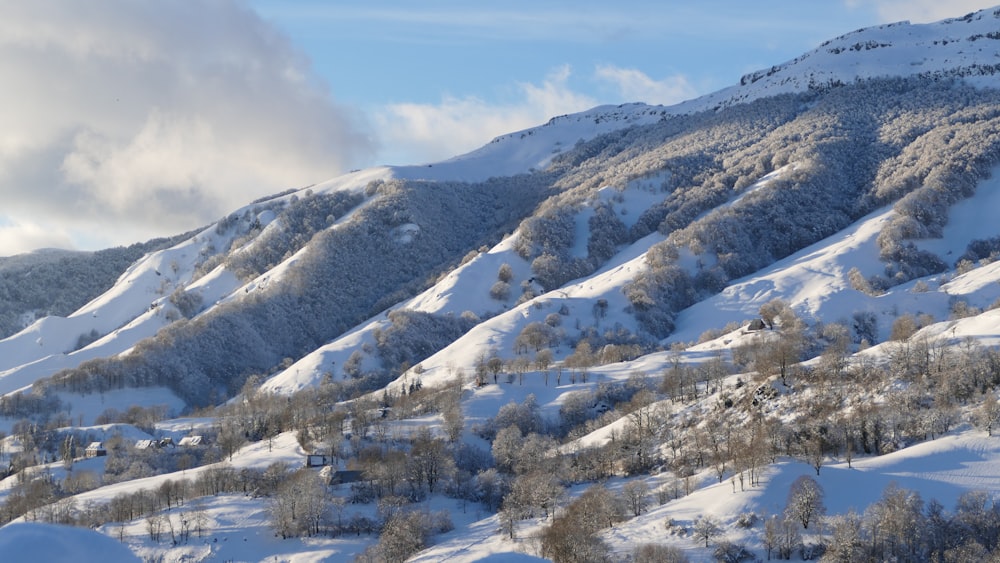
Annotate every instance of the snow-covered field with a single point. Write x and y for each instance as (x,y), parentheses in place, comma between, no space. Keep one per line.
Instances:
(235,527)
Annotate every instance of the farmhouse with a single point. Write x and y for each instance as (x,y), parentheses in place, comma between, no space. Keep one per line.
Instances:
(95,449)
(318,460)
(345,477)
(192,441)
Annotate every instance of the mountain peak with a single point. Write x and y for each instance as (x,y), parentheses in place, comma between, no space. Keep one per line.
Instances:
(966,47)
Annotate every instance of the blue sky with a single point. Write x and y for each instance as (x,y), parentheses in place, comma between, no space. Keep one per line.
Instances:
(129,119)
(416,52)
(406,66)
(398,61)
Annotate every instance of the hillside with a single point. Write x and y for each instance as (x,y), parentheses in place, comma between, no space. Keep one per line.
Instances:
(496,346)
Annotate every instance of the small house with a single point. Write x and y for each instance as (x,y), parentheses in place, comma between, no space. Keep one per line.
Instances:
(345,477)
(95,449)
(318,460)
(146,444)
(756,325)
(192,441)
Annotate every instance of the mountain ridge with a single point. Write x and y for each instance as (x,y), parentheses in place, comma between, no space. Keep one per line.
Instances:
(568,305)
(536,148)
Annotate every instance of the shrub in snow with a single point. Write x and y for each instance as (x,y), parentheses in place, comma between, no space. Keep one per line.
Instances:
(728,552)
(747,520)
(658,553)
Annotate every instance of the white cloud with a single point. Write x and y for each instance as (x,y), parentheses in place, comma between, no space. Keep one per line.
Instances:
(636,86)
(432,132)
(16,237)
(921,11)
(148,116)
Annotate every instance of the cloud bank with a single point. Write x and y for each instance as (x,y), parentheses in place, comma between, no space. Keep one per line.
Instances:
(433,132)
(124,119)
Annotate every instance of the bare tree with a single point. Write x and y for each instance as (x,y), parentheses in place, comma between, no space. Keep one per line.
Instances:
(230,437)
(505,273)
(816,449)
(299,505)
(770,539)
(536,335)
(454,421)
(494,366)
(658,553)
(988,413)
(787,536)
(539,491)
(154,526)
(429,461)
(805,501)
(404,534)
(896,524)
(846,540)
(581,359)
(543,360)
(506,447)
(636,495)
(200,519)
(493,487)
(572,537)
(706,528)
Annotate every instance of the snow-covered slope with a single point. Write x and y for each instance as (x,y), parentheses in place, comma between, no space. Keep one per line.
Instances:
(48,542)
(136,306)
(815,279)
(675,192)
(964,47)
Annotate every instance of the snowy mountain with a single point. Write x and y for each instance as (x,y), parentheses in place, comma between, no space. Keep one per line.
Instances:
(489,336)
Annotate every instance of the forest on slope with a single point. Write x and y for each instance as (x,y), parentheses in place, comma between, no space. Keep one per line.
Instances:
(57,282)
(507,342)
(841,152)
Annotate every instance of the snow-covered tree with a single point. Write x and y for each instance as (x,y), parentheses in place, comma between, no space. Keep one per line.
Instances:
(300,505)
(706,528)
(805,501)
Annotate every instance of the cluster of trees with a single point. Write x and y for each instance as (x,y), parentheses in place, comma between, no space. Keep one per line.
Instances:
(534,345)
(294,226)
(396,471)
(260,416)
(926,183)
(930,388)
(209,358)
(735,432)
(38,490)
(300,504)
(573,535)
(980,250)
(547,239)
(847,151)
(60,282)
(404,533)
(43,499)
(743,432)
(413,336)
(899,526)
